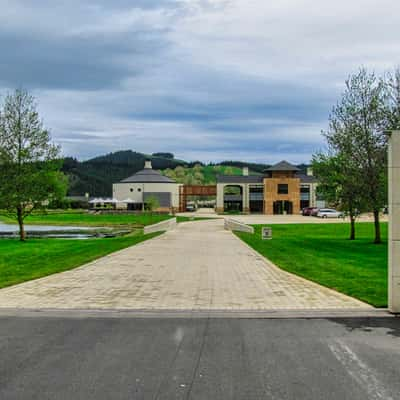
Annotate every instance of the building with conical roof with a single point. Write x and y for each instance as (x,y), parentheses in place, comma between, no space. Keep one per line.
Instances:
(133,192)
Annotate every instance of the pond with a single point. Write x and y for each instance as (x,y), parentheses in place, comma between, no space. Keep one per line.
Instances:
(64,232)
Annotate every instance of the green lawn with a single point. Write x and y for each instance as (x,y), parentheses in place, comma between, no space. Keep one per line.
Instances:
(85,219)
(35,258)
(322,253)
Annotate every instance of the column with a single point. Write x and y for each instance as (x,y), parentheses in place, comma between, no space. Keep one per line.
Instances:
(394,221)
(246,198)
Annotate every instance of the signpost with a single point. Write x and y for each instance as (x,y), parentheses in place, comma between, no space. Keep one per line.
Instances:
(266,233)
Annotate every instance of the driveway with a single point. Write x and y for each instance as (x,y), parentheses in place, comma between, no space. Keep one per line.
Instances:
(197,266)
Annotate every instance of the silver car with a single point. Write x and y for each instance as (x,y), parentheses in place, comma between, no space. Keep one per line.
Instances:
(329,213)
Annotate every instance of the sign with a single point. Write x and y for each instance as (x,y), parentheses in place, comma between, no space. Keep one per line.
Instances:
(266,233)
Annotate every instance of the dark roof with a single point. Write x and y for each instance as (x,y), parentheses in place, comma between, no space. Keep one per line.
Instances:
(240,179)
(307,178)
(283,166)
(148,175)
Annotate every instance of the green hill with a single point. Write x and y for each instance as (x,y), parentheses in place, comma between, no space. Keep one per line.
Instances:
(201,174)
(96,176)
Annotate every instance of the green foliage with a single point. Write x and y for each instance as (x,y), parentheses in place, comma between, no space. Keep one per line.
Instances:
(200,174)
(321,253)
(29,163)
(169,156)
(152,204)
(358,145)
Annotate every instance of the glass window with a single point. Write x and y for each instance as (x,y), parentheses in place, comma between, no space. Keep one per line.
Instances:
(283,188)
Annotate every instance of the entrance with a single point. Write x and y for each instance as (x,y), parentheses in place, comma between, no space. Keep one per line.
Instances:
(186,191)
(283,207)
(256,199)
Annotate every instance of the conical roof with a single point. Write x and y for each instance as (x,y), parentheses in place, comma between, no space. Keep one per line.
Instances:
(148,175)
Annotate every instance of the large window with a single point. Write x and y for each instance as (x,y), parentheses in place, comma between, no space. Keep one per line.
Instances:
(283,188)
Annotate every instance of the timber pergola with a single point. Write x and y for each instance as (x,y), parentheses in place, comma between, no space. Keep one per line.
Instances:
(194,190)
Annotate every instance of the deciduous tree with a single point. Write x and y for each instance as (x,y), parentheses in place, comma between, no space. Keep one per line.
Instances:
(30,163)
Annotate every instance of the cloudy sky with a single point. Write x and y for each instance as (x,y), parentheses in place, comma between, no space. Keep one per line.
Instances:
(205,79)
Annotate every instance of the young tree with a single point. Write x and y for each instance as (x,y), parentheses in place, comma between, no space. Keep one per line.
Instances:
(30,165)
(357,133)
(152,203)
(339,184)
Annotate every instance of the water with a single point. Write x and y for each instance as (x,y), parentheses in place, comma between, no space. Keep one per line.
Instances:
(12,228)
(8,231)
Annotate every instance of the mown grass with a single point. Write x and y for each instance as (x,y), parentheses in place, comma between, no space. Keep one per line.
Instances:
(322,253)
(35,258)
(86,219)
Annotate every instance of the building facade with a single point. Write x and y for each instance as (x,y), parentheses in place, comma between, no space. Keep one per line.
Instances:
(133,192)
(282,189)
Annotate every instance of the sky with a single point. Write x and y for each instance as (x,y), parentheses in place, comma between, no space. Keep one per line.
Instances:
(207,80)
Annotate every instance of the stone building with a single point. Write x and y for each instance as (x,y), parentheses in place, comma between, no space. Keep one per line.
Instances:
(282,189)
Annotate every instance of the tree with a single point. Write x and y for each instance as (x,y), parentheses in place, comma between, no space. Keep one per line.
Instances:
(30,165)
(170,156)
(339,184)
(152,203)
(392,87)
(356,132)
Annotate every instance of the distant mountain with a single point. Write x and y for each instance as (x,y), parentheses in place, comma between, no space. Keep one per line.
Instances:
(96,176)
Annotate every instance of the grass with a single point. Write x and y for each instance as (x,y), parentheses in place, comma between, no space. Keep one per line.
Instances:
(23,261)
(187,219)
(323,254)
(83,218)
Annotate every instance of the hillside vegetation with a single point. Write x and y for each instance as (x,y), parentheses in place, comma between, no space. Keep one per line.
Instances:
(96,176)
(200,174)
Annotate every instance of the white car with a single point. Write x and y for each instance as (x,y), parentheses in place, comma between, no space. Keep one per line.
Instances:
(329,213)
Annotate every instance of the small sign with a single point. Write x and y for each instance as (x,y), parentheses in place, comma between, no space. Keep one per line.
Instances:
(266,233)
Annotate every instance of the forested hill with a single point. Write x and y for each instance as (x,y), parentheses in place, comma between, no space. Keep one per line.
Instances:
(96,176)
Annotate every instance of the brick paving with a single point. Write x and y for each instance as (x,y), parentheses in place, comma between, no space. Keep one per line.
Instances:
(198,266)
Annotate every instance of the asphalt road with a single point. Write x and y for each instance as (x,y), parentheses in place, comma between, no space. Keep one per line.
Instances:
(176,358)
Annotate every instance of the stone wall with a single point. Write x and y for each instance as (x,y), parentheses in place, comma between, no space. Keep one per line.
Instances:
(233,225)
(161,226)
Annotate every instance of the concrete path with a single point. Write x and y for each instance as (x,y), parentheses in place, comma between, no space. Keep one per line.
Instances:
(198,266)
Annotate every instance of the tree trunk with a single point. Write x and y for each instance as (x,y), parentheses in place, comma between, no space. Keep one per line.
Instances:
(352,227)
(21,225)
(378,239)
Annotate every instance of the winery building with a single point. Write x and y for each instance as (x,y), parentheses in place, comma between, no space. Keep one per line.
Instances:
(132,193)
(282,189)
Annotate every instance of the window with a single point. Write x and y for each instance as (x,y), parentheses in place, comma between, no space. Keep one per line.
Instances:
(131,190)
(283,188)
(139,190)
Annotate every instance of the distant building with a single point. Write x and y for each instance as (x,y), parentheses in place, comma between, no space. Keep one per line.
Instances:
(132,192)
(282,189)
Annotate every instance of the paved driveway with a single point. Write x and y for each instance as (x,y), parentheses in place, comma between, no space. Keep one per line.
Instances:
(198,266)
(66,358)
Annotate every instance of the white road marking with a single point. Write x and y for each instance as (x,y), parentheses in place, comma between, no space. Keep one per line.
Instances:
(360,371)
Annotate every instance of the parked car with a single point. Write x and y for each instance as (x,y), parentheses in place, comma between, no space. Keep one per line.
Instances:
(308,210)
(314,212)
(329,213)
(190,207)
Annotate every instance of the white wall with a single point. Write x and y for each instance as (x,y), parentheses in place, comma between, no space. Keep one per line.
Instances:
(122,191)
